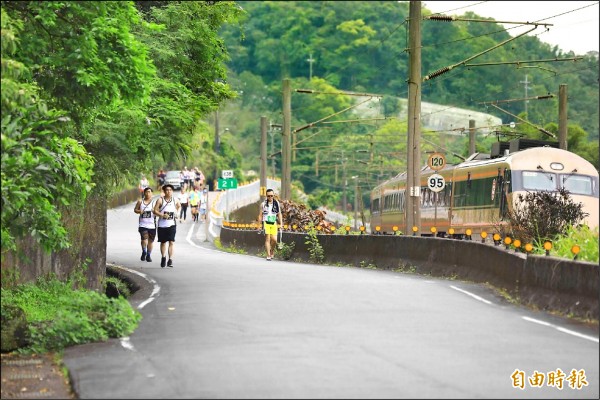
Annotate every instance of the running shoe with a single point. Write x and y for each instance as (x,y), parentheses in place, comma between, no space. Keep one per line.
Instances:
(163,262)
(268,258)
(143,257)
(148,257)
(170,263)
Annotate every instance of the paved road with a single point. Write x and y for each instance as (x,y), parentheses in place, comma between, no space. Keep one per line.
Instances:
(222,325)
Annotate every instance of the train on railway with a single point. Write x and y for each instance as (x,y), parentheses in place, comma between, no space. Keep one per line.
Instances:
(479,191)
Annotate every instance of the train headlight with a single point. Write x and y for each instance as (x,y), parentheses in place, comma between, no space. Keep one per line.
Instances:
(557,166)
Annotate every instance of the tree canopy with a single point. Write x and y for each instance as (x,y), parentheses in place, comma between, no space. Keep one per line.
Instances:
(95,92)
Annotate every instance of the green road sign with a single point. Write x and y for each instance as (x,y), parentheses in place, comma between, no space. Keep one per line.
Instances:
(227,183)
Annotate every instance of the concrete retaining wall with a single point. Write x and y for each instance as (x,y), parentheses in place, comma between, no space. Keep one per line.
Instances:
(86,227)
(548,283)
(87,230)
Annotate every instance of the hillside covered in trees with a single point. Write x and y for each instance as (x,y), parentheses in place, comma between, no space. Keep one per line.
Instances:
(362,47)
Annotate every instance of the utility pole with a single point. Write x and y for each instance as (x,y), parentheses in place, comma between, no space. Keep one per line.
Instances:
(562,116)
(471,137)
(263,155)
(413,148)
(286,164)
(273,128)
(310,61)
(345,183)
(526,82)
(217,150)
(355,201)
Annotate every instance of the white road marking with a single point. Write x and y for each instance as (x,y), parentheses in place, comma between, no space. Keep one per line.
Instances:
(535,321)
(472,295)
(155,286)
(564,330)
(126,343)
(191,242)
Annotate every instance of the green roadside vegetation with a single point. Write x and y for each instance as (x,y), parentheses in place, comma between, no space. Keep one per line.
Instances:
(50,315)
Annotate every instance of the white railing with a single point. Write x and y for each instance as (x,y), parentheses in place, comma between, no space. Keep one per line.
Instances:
(228,201)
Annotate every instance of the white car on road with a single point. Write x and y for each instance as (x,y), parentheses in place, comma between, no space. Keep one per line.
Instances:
(172,178)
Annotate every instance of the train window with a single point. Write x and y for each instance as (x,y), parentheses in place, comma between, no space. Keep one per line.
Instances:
(402,201)
(533,180)
(577,184)
(375,206)
(447,194)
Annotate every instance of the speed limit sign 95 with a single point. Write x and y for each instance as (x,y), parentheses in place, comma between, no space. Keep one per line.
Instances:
(436,183)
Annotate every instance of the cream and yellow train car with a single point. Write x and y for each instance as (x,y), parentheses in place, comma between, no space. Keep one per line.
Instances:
(548,169)
(479,192)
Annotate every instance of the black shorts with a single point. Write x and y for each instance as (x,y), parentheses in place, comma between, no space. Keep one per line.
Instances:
(147,233)
(167,234)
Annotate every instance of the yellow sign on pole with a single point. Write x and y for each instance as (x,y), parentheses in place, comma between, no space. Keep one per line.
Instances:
(263,190)
(436,161)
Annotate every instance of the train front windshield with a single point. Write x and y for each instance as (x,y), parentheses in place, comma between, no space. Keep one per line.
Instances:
(578,184)
(547,181)
(533,180)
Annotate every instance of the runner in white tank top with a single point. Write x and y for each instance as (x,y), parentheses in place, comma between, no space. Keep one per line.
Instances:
(166,209)
(146,224)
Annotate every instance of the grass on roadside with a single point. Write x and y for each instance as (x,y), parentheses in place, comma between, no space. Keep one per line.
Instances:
(58,316)
(582,236)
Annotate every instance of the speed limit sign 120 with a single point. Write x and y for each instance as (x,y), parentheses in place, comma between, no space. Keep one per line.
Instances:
(436,161)
(436,183)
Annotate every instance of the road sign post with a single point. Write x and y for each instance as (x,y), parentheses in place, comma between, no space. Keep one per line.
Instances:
(227,183)
(436,183)
(436,161)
